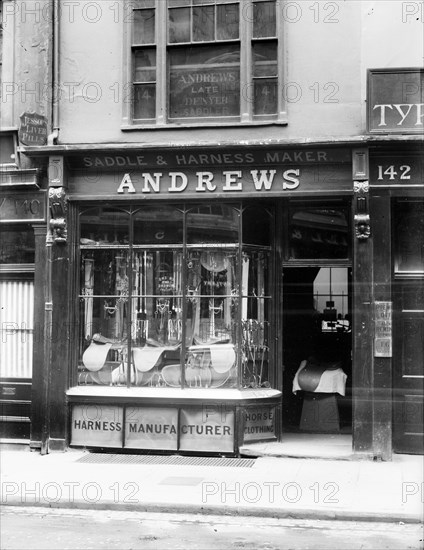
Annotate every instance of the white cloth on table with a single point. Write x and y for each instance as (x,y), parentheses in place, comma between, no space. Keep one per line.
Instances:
(331,381)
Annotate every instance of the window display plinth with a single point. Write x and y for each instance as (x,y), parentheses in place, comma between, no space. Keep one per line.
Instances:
(168,419)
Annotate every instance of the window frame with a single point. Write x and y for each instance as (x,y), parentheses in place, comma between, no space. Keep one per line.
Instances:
(246,117)
(239,247)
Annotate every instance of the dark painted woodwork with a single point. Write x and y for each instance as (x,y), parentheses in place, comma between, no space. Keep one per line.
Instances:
(408,380)
(60,345)
(362,333)
(40,367)
(382,373)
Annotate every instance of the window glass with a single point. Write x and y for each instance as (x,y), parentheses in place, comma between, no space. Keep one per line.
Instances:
(145,65)
(204,82)
(161,308)
(179,25)
(227,24)
(203,23)
(212,223)
(254,318)
(265,58)
(211,306)
(144,27)
(158,225)
(17,245)
(7,148)
(104,226)
(145,83)
(409,235)
(264,19)
(256,226)
(318,232)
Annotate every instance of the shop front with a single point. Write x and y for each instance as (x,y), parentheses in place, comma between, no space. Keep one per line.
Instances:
(395,103)
(397,185)
(198,283)
(23,231)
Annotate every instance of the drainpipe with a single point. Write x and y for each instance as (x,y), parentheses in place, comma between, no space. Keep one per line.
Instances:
(48,306)
(52,138)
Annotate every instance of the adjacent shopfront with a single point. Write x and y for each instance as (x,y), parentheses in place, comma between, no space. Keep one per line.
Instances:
(397,201)
(23,219)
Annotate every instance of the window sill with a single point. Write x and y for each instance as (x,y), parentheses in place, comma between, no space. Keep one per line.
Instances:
(173,395)
(216,124)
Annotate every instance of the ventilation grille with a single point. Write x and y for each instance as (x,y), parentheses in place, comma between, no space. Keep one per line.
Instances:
(99,458)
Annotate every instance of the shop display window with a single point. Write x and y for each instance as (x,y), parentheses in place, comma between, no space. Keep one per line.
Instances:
(318,232)
(17,245)
(175,297)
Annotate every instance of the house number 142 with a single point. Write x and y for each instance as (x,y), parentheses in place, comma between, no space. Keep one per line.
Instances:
(391,173)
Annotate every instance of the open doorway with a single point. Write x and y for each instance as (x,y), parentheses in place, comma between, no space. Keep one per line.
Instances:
(317,335)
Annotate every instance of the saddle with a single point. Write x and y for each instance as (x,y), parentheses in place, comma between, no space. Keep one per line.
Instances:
(309,377)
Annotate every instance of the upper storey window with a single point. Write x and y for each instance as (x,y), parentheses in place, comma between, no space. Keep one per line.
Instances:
(200,61)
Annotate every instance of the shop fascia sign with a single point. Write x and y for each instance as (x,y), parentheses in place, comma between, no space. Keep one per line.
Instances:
(396,101)
(225,181)
(251,172)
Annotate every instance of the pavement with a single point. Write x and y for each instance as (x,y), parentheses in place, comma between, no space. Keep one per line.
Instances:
(278,487)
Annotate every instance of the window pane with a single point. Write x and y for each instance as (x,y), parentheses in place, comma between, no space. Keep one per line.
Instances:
(144,27)
(212,289)
(145,65)
(179,25)
(17,245)
(203,23)
(255,316)
(145,101)
(264,59)
(212,224)
(318,232)
(227,25)
(7,149)
(205,81)
(158,225)
(256,226)
(142,4)
(104,273)
(409,236)
(265,96)
(264,20)
(104,226)
(211,366)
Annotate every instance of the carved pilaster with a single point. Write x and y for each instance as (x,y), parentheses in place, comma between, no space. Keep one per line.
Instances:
(362,217)
(58,215)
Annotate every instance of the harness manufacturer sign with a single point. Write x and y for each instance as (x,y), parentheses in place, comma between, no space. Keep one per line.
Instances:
(151,428)
(97,426)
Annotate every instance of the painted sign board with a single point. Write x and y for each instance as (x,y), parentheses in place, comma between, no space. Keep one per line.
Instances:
(396,171)
(97,425)
(396,101)
(32,129)
(23,207)
(207,429)
(383,329)
(259,423)
(202,159)
(151,428)
(205,183)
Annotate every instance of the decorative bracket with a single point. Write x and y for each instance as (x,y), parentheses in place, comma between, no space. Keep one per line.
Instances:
(58,214)
(362,217)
